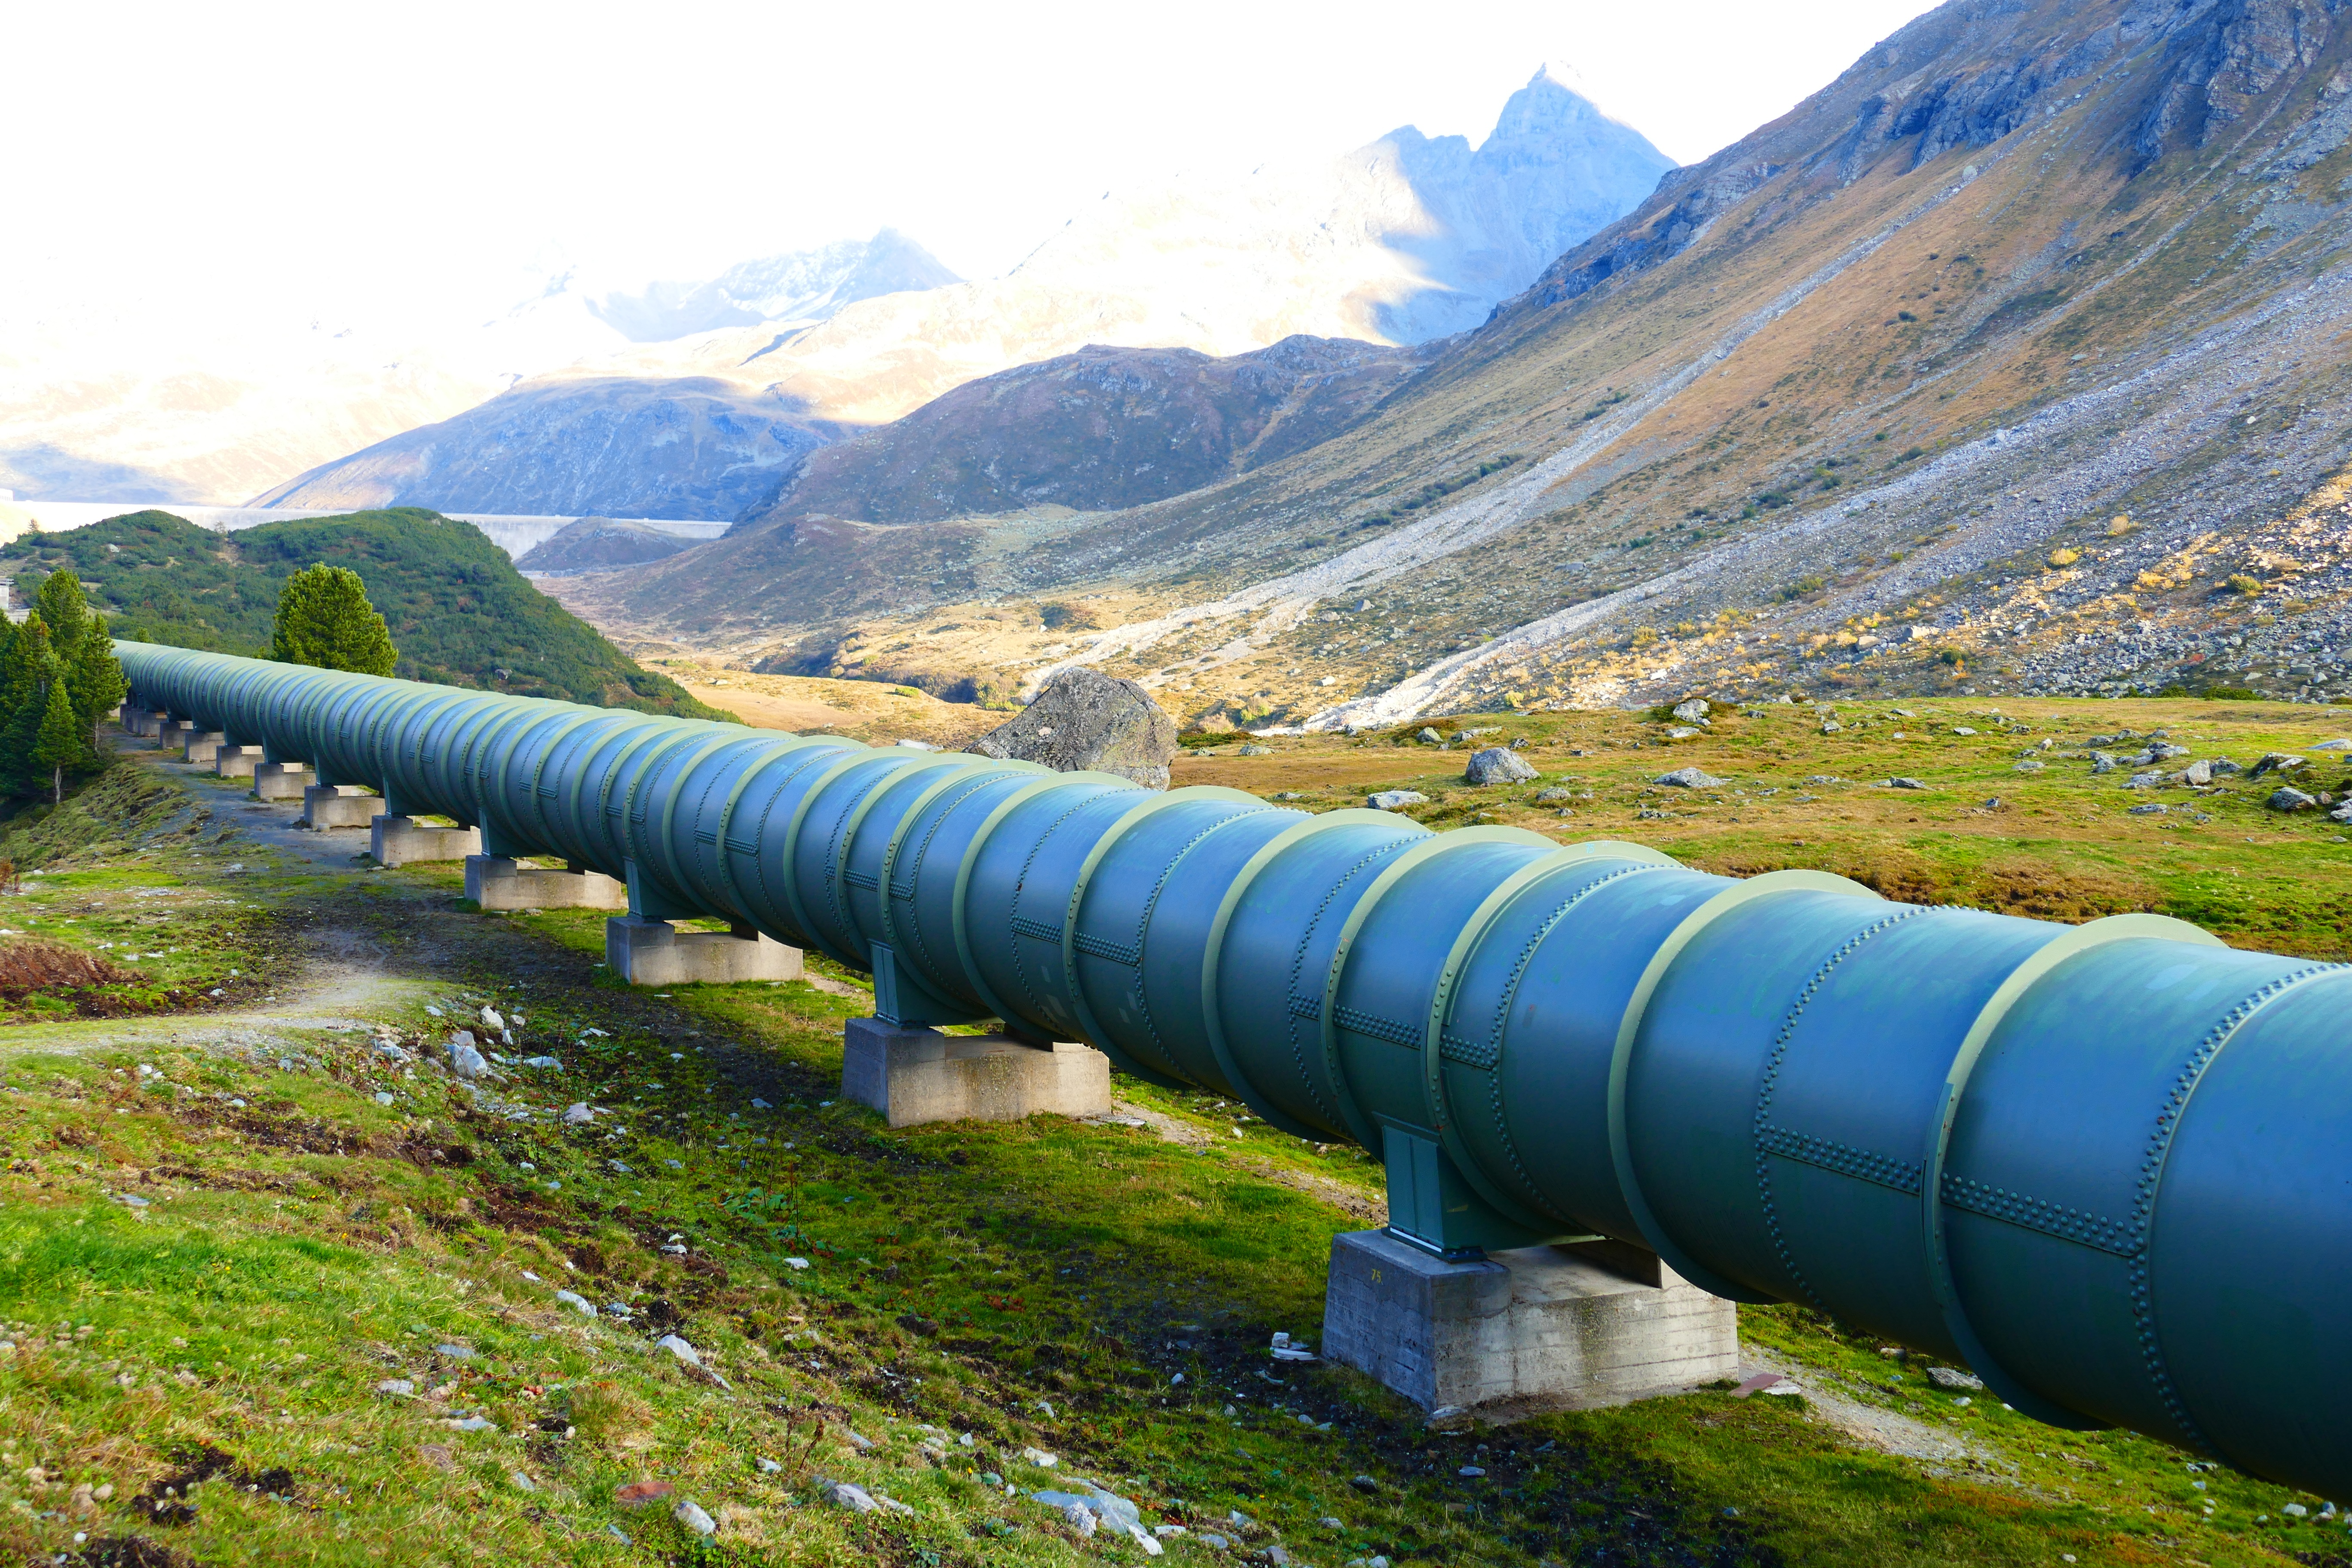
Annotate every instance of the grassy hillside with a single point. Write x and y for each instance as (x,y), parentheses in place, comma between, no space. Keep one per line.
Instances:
(459,611)
(275,1295)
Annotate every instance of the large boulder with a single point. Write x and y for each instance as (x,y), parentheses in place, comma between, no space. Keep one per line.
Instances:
(1497,764)
(1086,720)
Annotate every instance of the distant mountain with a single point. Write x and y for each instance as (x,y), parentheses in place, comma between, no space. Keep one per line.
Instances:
(599,544)
(692,448)
(95,405)
(1096,430)
(1400,242)
(458,611)
(2010,361)
(805,285)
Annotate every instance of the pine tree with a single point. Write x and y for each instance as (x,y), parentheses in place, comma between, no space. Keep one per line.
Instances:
(96,679)
(64,610)
(57,744)
(28,668)
(324,620)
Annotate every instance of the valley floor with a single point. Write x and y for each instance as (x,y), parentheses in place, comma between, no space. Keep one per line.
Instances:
(269,1291)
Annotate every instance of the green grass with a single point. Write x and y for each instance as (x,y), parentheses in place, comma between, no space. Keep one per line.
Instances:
(1038,1284)
(460,611)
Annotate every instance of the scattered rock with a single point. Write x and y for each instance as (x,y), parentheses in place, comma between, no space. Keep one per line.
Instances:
(437,1455)
(1830,727)
(523,1483)
(2030,765)
(1953,1378)
(579,1114)
(2274,763)
(2342,743)
(492,1021)
(1694,711)
(1248,751)
(2144,781)
(843,1494)
(2152,808)
(1039,1457)
(2198,774)
(1962,729)
(1394,799)
(1690,778)
(690,1513)
(1912,782)
(576,1302)
(1546,796)
(398,1387)
(465,1060)
(2286,797)
(1497,764)
(1086,720)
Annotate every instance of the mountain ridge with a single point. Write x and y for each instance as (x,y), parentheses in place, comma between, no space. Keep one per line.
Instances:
(1406,239)
(2017,250)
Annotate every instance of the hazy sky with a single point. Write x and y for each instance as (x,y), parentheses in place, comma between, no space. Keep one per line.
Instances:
(335,158)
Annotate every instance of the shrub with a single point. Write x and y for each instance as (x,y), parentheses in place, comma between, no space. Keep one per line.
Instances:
(2064,557)
(2231,694)
(2242,583)
(1067,618)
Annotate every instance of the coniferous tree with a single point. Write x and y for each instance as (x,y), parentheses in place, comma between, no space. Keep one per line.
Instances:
(58,742)
(324,620)
(96,680)
(64,610)
(27,669)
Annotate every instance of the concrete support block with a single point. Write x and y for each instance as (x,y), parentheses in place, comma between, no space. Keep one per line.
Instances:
(200,745)
(237,761)
(655,952)
(398,840)
(281,780)
(144,721)
(339,805)
(915,1076)
(496,882)
(1524,1330)
(168,731)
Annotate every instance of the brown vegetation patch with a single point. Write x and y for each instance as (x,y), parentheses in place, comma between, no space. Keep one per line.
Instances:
(30,966)
(2034,891)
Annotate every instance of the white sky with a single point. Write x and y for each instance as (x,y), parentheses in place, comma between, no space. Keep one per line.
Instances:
(335,159)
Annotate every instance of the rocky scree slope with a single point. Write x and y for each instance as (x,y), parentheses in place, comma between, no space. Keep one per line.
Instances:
(2022,333)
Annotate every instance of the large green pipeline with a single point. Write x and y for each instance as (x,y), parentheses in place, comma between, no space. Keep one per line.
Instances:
(2107,1166)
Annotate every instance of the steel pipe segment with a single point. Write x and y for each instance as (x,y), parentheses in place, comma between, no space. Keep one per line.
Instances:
(2106,1166)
